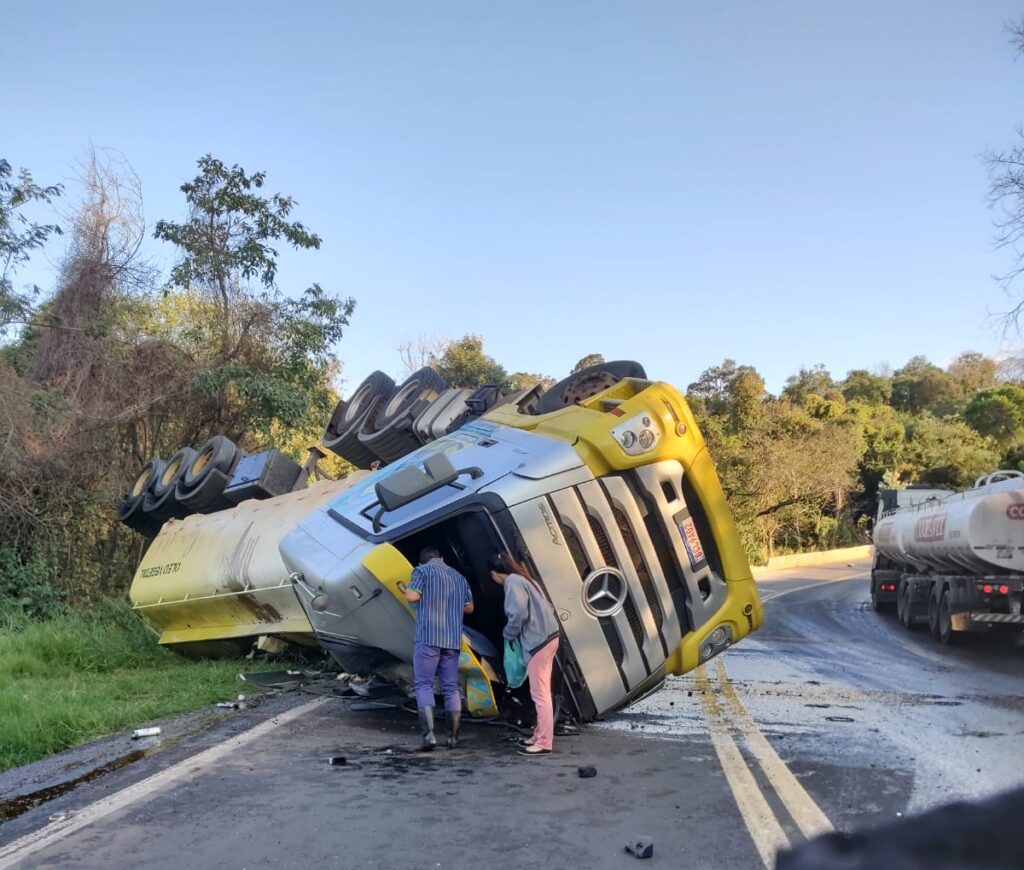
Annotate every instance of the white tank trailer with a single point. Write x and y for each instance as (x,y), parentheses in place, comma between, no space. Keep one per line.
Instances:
(952,560)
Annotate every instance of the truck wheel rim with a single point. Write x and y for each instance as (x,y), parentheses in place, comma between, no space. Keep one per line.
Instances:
(202,460)
(142,480)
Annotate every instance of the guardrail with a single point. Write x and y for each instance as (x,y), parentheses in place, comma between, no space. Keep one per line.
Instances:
(820,557)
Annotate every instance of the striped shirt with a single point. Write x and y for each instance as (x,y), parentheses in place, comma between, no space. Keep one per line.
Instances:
(443,594)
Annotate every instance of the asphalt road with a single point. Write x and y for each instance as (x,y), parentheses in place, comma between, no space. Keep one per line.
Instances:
(831,716)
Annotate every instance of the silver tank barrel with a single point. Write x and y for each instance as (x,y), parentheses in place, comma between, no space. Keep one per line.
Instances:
(979,531)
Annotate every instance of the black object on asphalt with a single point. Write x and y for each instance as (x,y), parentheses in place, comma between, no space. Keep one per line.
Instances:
(587,772)
(641,847)
(337,760)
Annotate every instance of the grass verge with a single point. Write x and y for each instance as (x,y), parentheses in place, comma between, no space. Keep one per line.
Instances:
(79,676)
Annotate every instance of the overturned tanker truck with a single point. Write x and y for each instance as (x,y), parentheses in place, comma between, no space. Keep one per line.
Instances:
(602,485)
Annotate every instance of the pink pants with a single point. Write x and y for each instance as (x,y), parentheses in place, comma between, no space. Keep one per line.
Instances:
(538,669)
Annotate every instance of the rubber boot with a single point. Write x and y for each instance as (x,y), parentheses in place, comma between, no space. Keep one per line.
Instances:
(427,724)
(454,719)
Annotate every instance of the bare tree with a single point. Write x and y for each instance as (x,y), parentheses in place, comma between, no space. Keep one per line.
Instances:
(1006,198)
(420,352)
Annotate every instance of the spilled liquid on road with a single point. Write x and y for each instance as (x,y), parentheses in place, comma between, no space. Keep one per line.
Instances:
(14,807)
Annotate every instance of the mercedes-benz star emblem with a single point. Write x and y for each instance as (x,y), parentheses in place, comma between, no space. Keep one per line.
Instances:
(604,592)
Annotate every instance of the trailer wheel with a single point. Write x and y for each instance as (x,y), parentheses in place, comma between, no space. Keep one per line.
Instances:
(879,606)
(174,470)
(219,453)
(147,476)
(933,615)
(944,621)
(903,609)
(389,434)
(342,433)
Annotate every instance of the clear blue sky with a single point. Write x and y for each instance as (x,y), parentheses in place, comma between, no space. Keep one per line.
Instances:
(676,182)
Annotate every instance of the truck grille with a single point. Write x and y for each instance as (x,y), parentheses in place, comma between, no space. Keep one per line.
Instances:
(622,529)
(641,567)
(584,568)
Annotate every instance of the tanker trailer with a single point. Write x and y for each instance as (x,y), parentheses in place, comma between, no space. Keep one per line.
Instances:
(885,573)
(606,491)
(210,583)
(958,558)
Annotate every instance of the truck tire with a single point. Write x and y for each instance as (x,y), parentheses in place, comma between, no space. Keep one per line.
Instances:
(944,631)
(880,606)
(147,476)
(342,433)
(904,610)
(174,470)
(207,496)
(389,433)
(587,383)
(933,613)
(220,453)
(130,513)
(161,504)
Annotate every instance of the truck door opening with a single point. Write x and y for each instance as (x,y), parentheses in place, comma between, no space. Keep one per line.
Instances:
(466,542)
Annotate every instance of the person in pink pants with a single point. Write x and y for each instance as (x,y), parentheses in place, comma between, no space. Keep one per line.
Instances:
(532,621)
(538,669)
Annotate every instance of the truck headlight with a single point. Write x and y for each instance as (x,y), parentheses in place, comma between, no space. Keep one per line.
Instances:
(637,435)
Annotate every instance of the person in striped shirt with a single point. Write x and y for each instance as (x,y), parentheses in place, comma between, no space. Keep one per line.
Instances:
(441,597)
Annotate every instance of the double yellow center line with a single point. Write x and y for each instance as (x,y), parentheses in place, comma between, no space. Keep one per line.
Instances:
(732,726)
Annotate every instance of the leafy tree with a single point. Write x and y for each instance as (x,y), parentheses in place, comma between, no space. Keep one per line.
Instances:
(746,394)
(719,388)
(798,469)
(813,381)
(231,233)
(19,237)
(946,453)
(973,371)
(591,359)
(463,363)
(922,386)
(998,413)
(863,386)
(272,355)
(525,381)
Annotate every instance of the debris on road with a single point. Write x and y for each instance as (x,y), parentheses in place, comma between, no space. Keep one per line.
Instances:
(337,760)
(641,847)
(146,732)
(587,772)
(278,679)
(840,718)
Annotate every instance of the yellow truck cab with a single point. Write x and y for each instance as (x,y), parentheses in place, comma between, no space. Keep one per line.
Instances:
(613,503)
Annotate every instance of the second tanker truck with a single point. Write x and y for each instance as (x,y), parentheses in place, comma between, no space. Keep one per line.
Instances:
(953,561)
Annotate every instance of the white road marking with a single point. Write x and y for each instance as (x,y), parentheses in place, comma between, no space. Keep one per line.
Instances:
(17,851)
(761,823)
(805,812)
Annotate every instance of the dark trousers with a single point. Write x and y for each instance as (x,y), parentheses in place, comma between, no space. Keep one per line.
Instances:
(431,661)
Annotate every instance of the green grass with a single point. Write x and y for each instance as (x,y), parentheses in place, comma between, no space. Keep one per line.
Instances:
(79,676)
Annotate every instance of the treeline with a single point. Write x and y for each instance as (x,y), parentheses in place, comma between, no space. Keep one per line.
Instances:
(802,469)
(119,362)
